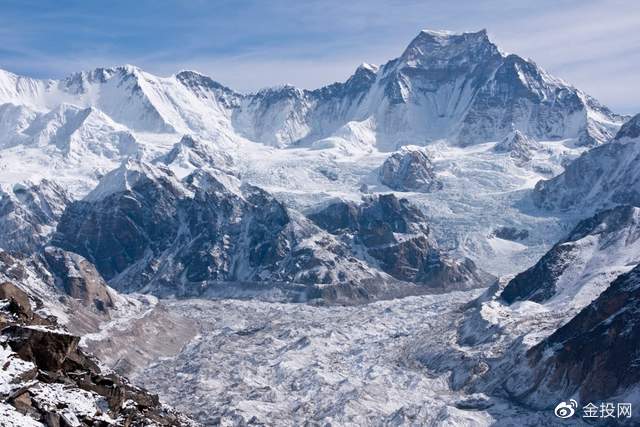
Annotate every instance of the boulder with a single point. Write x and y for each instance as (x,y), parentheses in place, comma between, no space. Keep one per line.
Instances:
(79,278)
(409,170)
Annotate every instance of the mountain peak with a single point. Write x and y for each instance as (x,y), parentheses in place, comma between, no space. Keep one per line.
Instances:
(431,46)
(630,129)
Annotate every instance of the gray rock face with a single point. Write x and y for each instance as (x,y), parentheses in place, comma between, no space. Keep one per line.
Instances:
(395,234)
(410,170)
(145,230)
(510,233)
(29,213)
(594,354)
(614,233)
(517,145)
(602,177)
(186,237)
(79,278)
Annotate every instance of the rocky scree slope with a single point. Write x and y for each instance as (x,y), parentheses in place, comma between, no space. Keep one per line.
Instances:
(47,380)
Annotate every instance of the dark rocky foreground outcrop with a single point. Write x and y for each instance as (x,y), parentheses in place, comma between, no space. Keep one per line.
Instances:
(409,170)
(46,378)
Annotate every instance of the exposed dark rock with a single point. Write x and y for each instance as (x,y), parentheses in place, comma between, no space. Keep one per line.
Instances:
(19,300)
(409,170)
(47,349)
(395,234)
(595,354)
(538,283)
(187,237)
(600,178)
(59,361)
(510,233)
(79,278)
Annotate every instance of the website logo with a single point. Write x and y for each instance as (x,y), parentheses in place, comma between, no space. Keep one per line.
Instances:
(566,409)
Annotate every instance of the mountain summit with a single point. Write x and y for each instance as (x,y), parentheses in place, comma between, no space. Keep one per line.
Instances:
(444,85)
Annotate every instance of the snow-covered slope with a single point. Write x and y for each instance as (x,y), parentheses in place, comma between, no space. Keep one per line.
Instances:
(29,214)
(544,335)
(577,269)
(602,177)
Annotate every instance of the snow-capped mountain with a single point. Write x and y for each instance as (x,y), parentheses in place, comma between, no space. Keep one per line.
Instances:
(602,177)
(29,214)
(444,85)
(578,268)
(147,230)
(410,178)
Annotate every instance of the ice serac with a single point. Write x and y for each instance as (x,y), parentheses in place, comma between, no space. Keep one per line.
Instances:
(602,177)
(409,170)
(578,268)
(593,356)
(29,213)
(395,234)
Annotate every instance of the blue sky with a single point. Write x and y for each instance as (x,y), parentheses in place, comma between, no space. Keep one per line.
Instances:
(247,44)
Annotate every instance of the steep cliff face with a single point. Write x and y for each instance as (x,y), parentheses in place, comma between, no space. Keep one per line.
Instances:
(593,356)
(396,235)
(580,266)
(146,230)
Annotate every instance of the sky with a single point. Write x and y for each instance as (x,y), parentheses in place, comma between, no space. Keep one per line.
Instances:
(250,44)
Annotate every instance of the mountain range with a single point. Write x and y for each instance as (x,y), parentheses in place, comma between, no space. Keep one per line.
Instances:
(454,175)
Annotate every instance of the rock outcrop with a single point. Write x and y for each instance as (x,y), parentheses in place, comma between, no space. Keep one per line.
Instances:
(518,145)
(146,230)
(29,213)
(79,278)
(594,355)
(47,378)
(409,170)
(583,263)
(395,234)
